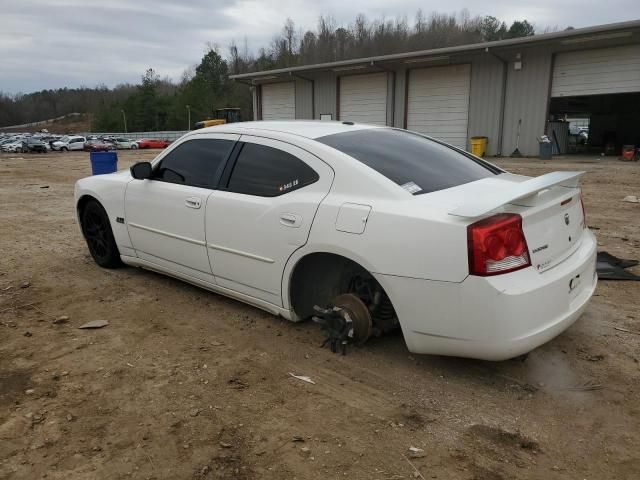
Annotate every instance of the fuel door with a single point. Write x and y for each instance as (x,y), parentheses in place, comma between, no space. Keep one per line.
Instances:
(352,218)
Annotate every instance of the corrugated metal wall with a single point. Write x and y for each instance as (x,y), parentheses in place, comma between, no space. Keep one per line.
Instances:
(254,94)
(526,99)
(304,99)
(485,100)
(325,94)
(401,82)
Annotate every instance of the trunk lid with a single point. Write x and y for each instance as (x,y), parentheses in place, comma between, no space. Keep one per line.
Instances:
(553,227)
(550,207)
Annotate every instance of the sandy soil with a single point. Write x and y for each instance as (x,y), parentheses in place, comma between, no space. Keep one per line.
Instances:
(187,384)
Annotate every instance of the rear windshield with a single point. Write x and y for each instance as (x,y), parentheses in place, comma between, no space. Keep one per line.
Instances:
(417,164)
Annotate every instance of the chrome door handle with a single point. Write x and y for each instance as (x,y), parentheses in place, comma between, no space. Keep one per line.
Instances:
(290,220)
(193,202)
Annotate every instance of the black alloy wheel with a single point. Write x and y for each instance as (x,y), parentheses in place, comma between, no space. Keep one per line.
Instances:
(99,236)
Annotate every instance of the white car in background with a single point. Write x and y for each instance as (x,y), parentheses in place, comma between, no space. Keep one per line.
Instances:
(69,143)
(125,144)
(12,147)
(367,228)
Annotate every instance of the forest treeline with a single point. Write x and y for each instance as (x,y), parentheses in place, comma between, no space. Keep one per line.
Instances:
(163,104)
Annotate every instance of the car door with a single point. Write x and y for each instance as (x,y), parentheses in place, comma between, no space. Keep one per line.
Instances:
(165,214)
(261,213)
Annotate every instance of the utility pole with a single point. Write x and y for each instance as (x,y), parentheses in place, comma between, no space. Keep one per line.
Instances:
(124,119)
(188,118)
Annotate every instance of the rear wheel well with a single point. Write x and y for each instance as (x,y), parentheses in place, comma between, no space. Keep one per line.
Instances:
(318,278)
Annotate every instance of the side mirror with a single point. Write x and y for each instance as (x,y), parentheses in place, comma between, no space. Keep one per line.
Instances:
(141,170)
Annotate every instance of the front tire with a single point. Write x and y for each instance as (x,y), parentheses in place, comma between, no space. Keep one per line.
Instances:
(64,149)
(99,236)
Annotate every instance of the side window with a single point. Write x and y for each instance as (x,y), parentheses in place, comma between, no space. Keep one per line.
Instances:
(194,162)
(268,172)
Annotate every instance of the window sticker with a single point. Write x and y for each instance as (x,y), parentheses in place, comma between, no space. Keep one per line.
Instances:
(411,187)
(287,186)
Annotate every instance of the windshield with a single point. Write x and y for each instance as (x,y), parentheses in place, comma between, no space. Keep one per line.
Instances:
(64,139)
(416,163)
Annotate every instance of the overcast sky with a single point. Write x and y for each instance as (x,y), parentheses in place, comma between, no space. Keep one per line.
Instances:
(51,44)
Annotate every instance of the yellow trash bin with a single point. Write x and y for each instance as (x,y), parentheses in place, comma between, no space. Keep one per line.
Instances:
(479,146)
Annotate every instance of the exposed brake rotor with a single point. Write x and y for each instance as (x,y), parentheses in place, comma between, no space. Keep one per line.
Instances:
(360,316)
(347,320)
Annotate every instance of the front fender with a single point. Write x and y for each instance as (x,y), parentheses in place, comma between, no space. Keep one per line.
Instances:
(109,190)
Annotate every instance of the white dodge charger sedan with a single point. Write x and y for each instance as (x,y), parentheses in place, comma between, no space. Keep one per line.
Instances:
(381,226)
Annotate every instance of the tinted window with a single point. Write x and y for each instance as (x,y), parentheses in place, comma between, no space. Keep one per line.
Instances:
(195,162)
(417,164)
(268,172)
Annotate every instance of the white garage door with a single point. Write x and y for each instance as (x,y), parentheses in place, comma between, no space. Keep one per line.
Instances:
(279,101)
(595,72)
(363,98)
(438,103)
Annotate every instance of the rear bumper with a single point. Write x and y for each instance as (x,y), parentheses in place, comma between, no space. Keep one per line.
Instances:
(494,318)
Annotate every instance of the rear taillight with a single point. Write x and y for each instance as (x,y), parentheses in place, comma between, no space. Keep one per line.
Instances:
(584,213)
(497,245)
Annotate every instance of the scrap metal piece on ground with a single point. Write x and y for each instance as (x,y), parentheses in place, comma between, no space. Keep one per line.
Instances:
(610,267)
(304,378)
(95,324)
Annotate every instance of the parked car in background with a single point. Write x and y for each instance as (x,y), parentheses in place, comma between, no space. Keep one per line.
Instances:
(98,146)
(125,144)
(69,142)
(33,145)
(12,146)
(152,143)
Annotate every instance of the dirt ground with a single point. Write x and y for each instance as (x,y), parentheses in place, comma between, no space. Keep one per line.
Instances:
(184,383)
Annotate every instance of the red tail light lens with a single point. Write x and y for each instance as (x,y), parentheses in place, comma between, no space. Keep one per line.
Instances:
(497,245)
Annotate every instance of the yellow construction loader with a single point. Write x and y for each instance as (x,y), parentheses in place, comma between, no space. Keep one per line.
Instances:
(222,116)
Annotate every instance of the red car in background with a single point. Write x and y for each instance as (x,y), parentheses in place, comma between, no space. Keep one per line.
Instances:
(98,146)
(152,143)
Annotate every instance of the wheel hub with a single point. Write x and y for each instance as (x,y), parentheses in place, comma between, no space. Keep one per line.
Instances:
(347,320)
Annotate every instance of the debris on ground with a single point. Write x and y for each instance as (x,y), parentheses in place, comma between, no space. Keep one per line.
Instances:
(610,267)
(225,445)
(415,452)
(297,438)
(631,199)
(61,319)
(95,324)
(625,330)
(25,284)
(304,378)
(28,334)
(416,473)
(585,387)
(237,383)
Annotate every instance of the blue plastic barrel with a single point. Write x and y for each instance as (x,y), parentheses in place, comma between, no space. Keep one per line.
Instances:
(103,162)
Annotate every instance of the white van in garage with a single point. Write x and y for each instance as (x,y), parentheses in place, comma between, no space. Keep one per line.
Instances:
(69,142)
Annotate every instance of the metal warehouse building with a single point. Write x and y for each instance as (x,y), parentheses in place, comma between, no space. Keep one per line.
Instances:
(489,89)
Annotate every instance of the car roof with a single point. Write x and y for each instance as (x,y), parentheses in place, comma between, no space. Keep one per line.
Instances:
(305,128)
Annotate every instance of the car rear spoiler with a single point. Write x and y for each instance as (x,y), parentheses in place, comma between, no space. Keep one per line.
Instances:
(477,206)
